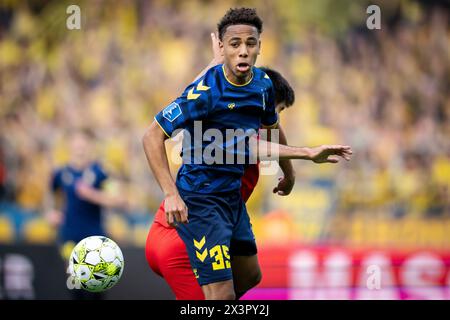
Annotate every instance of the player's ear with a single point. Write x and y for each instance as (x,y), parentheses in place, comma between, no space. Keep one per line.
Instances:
(259,47)
(221,47)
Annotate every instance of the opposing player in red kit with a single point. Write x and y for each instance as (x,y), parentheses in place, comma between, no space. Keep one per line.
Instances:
(165,251)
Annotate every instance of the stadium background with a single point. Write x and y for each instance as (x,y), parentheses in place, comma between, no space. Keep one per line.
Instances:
(384,92)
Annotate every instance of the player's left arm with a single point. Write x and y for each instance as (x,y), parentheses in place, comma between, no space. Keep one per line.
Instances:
(100,197)
(322,154)
(99,193)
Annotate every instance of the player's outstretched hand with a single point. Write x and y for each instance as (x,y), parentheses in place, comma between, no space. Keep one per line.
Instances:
(176,210)
(330,153)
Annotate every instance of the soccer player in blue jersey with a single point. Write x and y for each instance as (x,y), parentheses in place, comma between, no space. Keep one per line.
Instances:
(205,201)
(79,187)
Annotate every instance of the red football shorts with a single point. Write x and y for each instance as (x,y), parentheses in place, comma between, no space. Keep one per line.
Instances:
(167,256)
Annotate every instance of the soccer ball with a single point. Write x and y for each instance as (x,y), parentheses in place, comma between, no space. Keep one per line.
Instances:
(96,263)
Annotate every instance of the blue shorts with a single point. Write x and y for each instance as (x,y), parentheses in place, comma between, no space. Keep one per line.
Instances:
(219,228)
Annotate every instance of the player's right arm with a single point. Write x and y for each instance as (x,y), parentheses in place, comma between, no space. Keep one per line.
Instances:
(191,106)
(52,214)
(155,152)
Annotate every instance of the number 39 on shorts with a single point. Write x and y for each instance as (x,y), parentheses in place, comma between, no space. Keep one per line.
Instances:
(222,257)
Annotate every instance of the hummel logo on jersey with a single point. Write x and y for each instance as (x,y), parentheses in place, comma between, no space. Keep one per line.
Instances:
(172,111)
(200,87)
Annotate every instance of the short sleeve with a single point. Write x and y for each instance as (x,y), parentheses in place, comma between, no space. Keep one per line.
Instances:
(100,175)
(55,181)
(270,116)
(192,105)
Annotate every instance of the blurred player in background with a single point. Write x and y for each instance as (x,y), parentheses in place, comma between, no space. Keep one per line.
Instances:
(216,210)
(79,190)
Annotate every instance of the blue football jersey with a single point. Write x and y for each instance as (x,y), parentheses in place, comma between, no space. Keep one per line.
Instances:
(81,218)
(214,114)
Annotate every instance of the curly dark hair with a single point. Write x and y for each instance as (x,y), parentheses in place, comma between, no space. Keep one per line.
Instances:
(239,16)
(283,90)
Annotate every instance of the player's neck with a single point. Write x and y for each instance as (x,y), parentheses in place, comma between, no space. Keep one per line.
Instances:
(78,165)
(236,80)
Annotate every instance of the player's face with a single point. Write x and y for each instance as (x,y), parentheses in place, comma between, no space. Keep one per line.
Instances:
(280,107)
(240,47)
(80,150)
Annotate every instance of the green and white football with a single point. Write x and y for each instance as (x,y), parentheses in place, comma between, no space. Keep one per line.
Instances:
(96,263)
